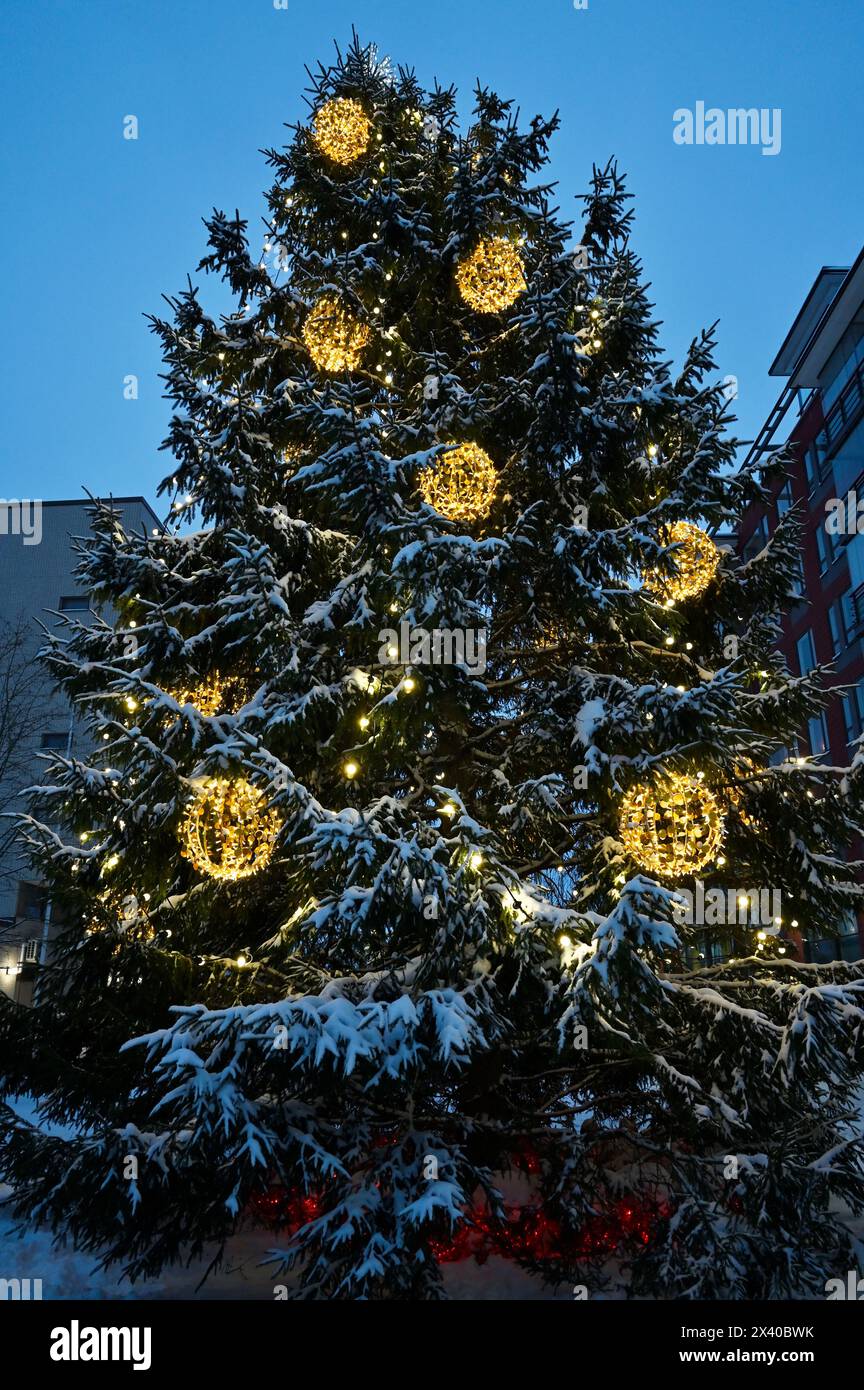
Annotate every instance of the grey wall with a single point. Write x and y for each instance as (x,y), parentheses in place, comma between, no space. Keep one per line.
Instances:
(33,578)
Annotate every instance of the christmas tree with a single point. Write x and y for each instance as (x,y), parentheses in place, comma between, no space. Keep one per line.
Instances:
(412,732)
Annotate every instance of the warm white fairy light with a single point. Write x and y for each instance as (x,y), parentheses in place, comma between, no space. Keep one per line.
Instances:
(127,916)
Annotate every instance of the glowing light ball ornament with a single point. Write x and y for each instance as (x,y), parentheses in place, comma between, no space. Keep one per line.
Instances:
(462,485)
(492,277)
(695,560)
(334,337)
(215,694)
(341,130)
(671,827)
(229,831)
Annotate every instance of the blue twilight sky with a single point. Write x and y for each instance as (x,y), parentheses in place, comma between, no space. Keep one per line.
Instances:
(97,228)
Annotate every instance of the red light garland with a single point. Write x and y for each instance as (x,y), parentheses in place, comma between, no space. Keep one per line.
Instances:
(526,1233)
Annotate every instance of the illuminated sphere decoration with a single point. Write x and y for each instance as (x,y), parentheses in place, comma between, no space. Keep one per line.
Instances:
(229,831)
(215,694)
(461,486)
(492,277)
(341,130)
(334,337)
(695,562)
(672,827)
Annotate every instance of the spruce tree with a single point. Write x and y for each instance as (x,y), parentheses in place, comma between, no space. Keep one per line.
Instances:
(371,931)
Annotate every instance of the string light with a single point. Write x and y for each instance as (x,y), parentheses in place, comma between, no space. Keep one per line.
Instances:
(671,827)
(694,561)
(492,277)
(341,130)
(291,456)
(734,795)
(462,485)
(229,832)
(350,769)
(334,337)
(127,915)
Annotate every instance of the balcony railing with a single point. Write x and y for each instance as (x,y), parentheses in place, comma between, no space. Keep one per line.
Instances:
(856,605)
(844,413)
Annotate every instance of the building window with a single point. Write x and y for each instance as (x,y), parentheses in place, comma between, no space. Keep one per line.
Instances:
(757,540)
(806,653)
(74,603)
(32,902)
(850,614)
(817,730)
(841,620)
(56,741)
(784,498)
(828,546)
(838,629)
(853,711)
(820,444)
(797,589)
(783,755)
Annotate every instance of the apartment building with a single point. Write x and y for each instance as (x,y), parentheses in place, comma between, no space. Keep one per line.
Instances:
(820,413)
(37,583)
